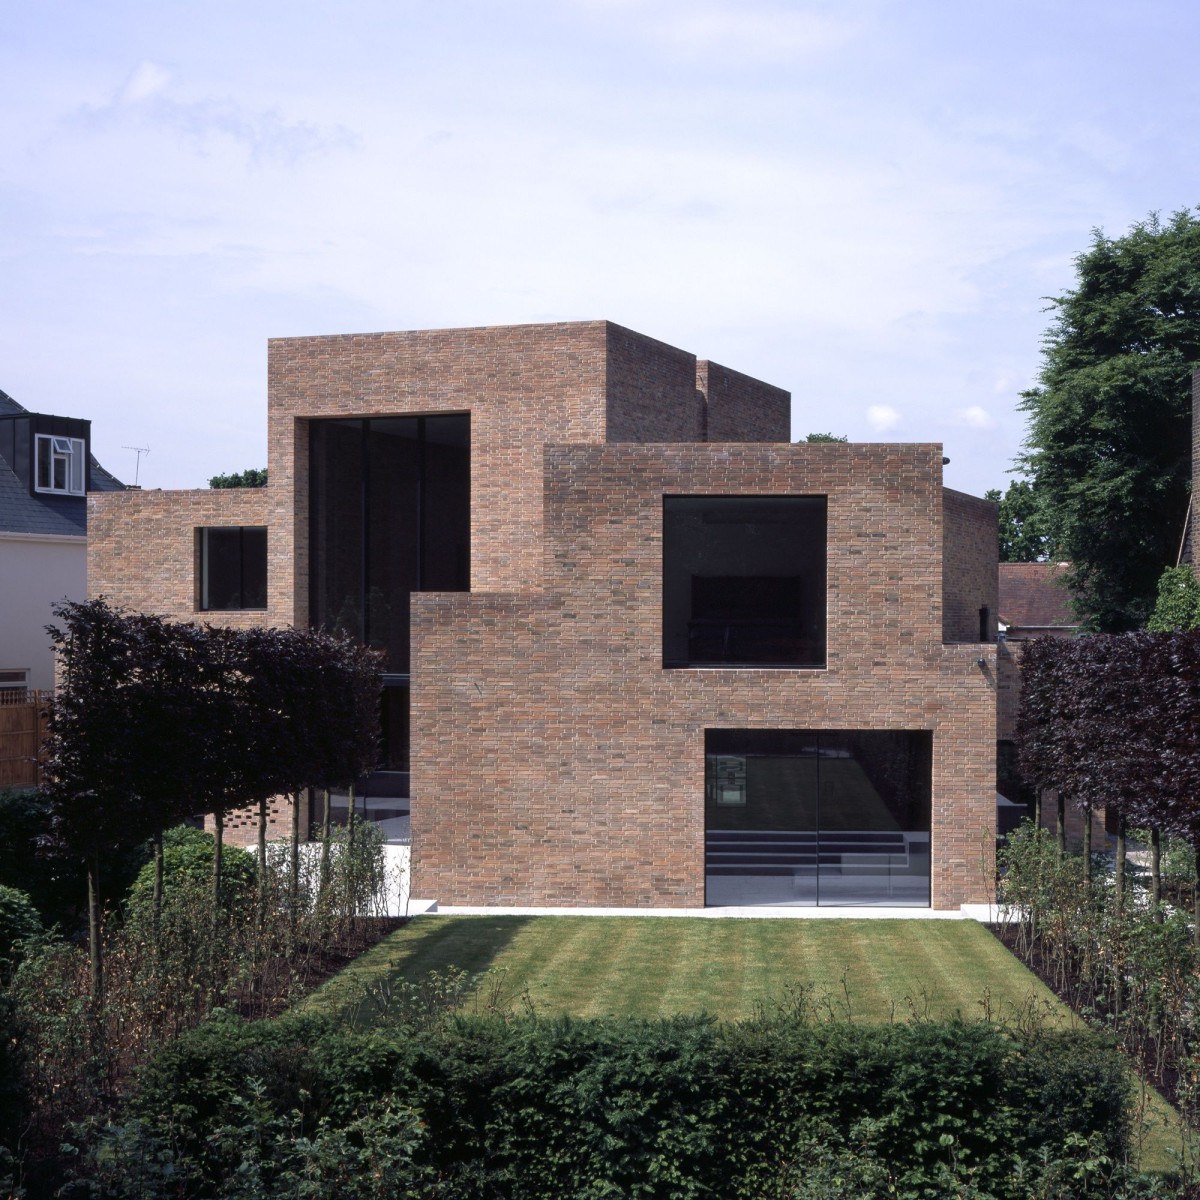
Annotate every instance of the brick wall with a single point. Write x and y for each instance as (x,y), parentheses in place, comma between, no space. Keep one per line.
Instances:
(556,762)
(651,391)
(741,409)
(142,550)
(970,577)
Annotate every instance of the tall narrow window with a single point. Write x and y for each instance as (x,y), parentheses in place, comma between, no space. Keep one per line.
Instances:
(233,567)
(60,465)
(744,581)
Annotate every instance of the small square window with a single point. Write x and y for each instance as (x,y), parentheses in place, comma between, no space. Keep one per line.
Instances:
(60,465)
(233,568)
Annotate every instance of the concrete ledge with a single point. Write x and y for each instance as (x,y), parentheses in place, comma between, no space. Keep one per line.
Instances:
(792,912)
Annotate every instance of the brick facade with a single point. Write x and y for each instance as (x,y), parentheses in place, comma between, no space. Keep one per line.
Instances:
(554,759)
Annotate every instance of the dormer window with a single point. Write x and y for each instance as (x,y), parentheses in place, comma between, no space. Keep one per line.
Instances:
(60,465)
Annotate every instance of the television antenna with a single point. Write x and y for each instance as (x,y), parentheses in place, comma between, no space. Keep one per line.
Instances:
(139,450)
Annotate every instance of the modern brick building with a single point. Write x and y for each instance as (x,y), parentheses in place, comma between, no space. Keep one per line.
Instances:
(641,650)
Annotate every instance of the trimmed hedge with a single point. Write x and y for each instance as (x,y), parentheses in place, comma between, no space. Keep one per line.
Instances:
(595,1109)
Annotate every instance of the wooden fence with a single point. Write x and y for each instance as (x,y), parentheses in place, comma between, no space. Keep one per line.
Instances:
(22,731)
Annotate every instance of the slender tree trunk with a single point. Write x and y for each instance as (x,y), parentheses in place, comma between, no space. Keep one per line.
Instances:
(95,946)
(218,847)
(1037,808)
(351,866)
(1119,871)
(1060,825)
(158,881)
(1156,876)
(326,844)
(1087,845)
(294,863)
(1196,891)
(262,864)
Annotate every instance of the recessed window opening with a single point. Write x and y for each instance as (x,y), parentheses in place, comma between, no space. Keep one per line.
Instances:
(985,624)
(744,581)
(801,817)
(60,465)
(233,568)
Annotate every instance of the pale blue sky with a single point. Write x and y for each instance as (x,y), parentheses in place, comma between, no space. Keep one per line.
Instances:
(863,202)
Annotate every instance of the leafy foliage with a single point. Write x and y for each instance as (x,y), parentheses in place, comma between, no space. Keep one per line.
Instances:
(826,437)
(1023,536)
(1178,603)
(682,1108)
(19,922)
(187,868)
(252,477)
(1108,449)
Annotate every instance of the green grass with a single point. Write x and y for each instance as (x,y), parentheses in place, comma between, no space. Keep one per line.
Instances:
(657,966)
(872,970)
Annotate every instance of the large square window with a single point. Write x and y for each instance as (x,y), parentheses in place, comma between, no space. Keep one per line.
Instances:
(744,581)
(233,567)
(60,465)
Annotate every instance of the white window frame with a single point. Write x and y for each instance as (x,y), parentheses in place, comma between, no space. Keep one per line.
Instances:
(66,466)
(12,681)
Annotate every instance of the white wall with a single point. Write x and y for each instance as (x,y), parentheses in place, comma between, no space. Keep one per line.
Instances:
(35,572)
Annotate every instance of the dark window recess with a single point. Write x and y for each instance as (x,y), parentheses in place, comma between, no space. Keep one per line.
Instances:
(744,581)
(797,816)
(233,568)
(985,624)
(390,514)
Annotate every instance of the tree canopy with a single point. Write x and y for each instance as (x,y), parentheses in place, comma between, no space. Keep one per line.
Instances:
(1023,536)
(252,477)
(1108,449)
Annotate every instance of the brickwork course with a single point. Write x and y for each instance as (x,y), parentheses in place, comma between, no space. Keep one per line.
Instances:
(554,759)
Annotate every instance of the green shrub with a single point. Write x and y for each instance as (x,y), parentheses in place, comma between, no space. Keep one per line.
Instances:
(19,922)
(680,1108)
(187,867)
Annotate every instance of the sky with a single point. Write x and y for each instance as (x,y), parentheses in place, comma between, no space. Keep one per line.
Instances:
(865,202)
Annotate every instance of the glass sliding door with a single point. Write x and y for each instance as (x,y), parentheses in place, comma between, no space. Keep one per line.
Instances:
(834,817)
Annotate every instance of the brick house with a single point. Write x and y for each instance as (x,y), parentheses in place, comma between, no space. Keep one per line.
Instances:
(641,650)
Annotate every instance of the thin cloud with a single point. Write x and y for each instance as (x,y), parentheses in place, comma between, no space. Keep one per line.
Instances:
(976,417)
(147,79)
(882,417)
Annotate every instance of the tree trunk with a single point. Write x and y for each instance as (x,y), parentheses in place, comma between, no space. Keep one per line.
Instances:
(327,822)
(262,863)
(1119,871)
(294,863)
(1087,845)
(1037,808)
(1156,876)
(218,845)
(351,870)
(95,946)
(1060,825)
(1196,891)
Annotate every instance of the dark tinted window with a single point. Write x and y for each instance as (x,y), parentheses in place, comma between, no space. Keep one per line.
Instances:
(233,567)
(744,581)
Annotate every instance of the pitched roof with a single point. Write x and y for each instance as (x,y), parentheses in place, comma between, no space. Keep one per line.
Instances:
(1032,596)
(44,514)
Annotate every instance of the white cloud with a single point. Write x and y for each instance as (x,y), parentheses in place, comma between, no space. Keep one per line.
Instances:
(148,79)
(976,417)
(882,417)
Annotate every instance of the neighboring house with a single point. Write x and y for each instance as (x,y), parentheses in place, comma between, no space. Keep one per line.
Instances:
(1034,602)
(640,649)
(46,470)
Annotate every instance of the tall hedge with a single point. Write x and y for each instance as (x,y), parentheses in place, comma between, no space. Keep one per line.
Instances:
(592,1109)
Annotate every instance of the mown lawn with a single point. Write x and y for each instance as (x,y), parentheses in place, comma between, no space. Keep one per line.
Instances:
(657,966)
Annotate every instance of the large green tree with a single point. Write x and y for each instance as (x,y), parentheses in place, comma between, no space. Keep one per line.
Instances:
(1023,536)
(1108,451)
